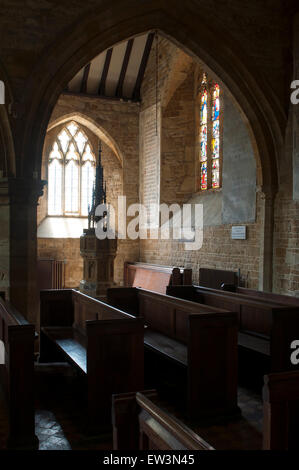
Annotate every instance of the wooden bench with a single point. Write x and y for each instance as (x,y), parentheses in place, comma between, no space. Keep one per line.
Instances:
(198,338)
(139,423)
(265,327)
(155,277)
(281,411)
(214,278)
(269,296)
(102,343)
(17,376)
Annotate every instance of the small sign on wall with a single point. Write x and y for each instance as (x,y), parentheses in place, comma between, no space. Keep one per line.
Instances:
(239,232)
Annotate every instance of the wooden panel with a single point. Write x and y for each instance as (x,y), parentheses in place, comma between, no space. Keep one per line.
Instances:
(256,319)
(17,376)
(264,318)
(56,307)
(215,277)
(115,363)
(212,365)
(155,277)
(166,346)
(269,296)
(139,423)
(125,420)
(158,316)
(71,343)
(281,411)
(124,298)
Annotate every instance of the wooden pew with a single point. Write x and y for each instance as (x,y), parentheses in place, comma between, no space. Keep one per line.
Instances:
(139,423)
(17,376)
(214,278)
(281,411)
(265,327)
(269,296)
(200,339)
(102,343)
(155,277)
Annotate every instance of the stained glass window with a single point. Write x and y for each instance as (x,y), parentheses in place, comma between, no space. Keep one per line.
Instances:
(204,139)
(209,135)
(215,145)
(71,173)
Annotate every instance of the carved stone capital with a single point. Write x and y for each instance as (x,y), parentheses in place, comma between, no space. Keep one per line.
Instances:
(21,191)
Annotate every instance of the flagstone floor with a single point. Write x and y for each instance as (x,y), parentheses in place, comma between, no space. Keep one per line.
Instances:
(60,416)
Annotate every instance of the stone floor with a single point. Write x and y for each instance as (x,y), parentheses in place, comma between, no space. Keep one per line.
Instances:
(60,416)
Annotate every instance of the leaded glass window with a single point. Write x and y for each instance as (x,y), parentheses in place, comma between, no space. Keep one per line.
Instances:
(209,136)
(71,173)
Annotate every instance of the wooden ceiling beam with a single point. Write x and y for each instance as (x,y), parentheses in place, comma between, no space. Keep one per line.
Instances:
(143,63)
(83,87)
(102,86)
(119,88)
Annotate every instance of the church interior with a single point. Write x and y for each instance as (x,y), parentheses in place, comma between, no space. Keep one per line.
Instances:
(139,339)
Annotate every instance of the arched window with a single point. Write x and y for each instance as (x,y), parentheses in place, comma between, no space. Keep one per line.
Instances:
(210,162)
(71,173)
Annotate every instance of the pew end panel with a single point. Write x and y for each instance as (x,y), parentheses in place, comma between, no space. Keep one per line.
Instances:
(115,356)
(150,426)
(212,365)
(281,411)
(125,422)
(56,307)
(17,376)
(285,329)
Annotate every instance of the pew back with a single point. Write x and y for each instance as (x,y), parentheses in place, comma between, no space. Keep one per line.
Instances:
(273,322)
(215,277)
(168,314)
(269,296)
(155,277)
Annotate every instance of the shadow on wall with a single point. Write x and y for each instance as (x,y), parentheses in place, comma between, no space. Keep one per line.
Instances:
(2,353)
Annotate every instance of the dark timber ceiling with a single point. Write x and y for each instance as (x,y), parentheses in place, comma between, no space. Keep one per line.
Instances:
(116,73)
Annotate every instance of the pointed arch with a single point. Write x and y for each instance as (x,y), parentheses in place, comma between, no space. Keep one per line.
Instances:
(94,127)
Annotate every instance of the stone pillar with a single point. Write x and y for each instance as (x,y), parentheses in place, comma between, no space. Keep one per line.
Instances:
(98,263)
(18,243)
(266,247)
(295,111)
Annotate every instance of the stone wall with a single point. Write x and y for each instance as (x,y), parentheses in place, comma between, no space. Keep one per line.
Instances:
(120,122)
(237,201)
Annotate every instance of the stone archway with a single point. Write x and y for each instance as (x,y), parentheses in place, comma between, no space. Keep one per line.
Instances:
(186,25)
(183,24)
(7,149)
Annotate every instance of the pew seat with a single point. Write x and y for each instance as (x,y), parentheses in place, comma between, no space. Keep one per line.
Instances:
(166,346)
(257,343)
(71,343)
